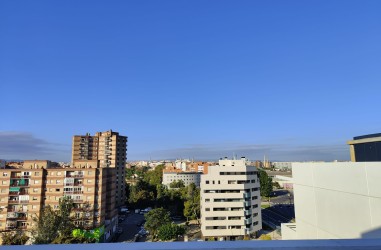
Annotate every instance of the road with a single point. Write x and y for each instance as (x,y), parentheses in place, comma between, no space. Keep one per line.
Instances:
(130,228)
(282,197)
(281,209)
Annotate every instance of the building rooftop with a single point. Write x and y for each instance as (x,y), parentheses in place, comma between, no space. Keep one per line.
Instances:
(367,136)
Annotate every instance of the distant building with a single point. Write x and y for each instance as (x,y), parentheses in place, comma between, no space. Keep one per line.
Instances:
(336,200)
(365,148)
(110,150)
(230,201)
(186,177)
(282,165)
(181,164)
(2,163)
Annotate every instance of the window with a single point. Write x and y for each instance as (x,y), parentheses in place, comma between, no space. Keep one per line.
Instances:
(34,198)
(50,189)
(58,190)
(36,182)
(5,174)
(207,209)
(219,182)
(89,181)
(255,223)
(4,182)
(58,173)
(36,173)
(213,182)
(51,173)
(35,190)
(89,189)
(207,200)
(58,181)
(89,172)
(56,206)
(3,190)
(34,206)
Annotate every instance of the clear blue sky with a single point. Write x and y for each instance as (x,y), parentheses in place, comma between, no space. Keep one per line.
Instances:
(290,79)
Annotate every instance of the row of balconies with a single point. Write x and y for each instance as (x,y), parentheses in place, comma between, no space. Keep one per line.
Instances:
(17,216)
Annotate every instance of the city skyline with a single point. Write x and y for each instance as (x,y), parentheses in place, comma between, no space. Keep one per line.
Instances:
(290,80)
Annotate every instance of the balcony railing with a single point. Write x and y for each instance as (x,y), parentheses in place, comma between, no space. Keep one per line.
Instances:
(18,193)
(73,192)
(19,185)
(74,176)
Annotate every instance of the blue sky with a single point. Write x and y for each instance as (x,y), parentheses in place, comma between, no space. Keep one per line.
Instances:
(290,79)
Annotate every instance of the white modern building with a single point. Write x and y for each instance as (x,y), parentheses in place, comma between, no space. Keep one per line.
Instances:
(336,200)
(230,201)
(186,177)
(181,164)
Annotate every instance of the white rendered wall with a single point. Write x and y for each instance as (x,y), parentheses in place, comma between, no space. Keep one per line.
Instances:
(337,200)
(214,181)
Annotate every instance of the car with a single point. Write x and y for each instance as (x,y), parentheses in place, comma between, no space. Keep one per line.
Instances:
(177,218)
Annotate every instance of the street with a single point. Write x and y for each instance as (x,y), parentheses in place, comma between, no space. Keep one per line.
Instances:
(130,228)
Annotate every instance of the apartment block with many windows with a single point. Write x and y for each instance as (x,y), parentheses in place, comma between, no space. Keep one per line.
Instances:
(230,201)
(25,191)
(110,149)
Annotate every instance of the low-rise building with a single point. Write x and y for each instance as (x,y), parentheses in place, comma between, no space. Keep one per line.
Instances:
(186,177)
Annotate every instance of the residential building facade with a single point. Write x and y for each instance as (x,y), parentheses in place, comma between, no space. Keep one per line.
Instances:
(230,201)
(25,191)
(110,149)
(186,177)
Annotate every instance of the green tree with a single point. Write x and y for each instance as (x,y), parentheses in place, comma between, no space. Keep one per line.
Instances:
(177,184)
(156,218)
(170,231)
(192,203)
(14,238)
(265,183)
(155,177)
(51,224)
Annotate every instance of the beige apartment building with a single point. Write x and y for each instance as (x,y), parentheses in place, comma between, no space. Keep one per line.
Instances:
(25,191)
(230,201)
(110,150)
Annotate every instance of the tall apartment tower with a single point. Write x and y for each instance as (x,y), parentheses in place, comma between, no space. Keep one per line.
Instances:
(230,201)
(110,150)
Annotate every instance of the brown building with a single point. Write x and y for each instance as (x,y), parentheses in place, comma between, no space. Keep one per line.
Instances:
(110,150)
(25,191)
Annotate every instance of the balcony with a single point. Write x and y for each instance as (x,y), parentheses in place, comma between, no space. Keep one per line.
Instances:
(246,195)
(73,192)
(247,203)
(247,212)
(248,221)
(22,192)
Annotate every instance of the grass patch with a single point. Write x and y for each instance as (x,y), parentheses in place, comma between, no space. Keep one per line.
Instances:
(264,206)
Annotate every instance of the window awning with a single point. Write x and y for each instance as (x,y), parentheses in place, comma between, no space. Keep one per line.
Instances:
(14,189)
